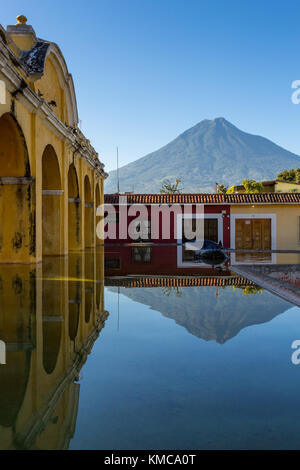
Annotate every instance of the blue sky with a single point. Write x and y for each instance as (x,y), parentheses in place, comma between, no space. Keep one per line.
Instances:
(147,70)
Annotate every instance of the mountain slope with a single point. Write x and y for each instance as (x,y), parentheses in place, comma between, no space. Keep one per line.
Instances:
(209,317)
(211,151)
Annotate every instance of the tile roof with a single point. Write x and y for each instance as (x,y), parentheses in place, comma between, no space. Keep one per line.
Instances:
(202,198)
(157,281)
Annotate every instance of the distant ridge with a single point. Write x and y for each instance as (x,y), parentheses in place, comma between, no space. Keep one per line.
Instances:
(212,150)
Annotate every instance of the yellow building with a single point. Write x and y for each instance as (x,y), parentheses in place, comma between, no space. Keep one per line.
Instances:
(274,186)
(51,179)
(50,316)
(266,222)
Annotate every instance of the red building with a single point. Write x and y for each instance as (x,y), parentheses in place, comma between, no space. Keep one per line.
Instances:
(244,223)
(177,208)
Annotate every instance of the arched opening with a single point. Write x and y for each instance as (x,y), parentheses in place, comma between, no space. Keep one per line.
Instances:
(52,202)
(52,316)
(14,378)
(98,202)
(74,309)
(75,294)
(13,152)
(17,332)
(74,219)
(88,214)
(17,215)
(89,264)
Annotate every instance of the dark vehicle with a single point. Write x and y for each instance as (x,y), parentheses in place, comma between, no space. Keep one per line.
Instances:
(211,253)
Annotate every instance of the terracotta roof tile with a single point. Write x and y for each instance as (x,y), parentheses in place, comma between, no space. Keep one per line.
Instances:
(202,198)
(178,282)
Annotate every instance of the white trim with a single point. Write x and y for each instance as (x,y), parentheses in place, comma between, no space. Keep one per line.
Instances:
(4,180)
(188,264)
(233,218)
(52,192)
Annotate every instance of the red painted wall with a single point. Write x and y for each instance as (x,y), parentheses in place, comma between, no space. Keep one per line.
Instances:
(163,262)
(208,209)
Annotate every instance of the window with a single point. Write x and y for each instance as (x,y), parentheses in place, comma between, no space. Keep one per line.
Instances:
(112,263)
(210,229)
(142,254)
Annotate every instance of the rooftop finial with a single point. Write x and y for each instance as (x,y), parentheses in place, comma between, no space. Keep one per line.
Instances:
(21,19)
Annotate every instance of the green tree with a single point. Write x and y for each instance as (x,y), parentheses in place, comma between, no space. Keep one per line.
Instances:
(231,190)
(252,186)
(291,176)
(252,290)
(249,290)
(173,188)
(168,290)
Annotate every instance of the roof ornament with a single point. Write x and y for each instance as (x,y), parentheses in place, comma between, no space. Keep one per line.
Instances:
(21,20)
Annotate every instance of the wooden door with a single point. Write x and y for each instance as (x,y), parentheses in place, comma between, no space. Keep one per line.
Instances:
(253,234)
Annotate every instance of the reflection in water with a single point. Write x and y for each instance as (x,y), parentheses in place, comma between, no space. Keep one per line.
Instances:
(51,314)
(211,313)
(18,331)
(217,312)
(50,317)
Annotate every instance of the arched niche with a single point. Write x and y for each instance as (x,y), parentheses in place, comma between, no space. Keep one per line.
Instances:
(89,234)
(17,209)
(74,205)
(52,202)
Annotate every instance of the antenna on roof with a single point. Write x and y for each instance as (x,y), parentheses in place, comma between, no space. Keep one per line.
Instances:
(118,181)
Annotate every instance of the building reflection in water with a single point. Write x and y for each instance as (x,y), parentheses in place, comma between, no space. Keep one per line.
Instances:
(52,313)
(211,303)
(50,316)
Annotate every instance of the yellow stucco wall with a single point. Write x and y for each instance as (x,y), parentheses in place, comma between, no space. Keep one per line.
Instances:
(29,126)
(287,222)
(280,186)
(37,307)
(285,187)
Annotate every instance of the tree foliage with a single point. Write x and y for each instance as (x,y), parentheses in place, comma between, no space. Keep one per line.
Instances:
(171,188)
(291,176)
(231,190)
(221,188)
(252,186)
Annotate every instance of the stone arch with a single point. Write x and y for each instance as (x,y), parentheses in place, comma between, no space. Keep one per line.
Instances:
(14,378)
(74,216)
(98,202)
(52,315)
(54,71)
(89,235)
(75,294)
(14,159)
(17,228)
(51,342)
(74,311)
(52,202)
(89,285)
(17,331)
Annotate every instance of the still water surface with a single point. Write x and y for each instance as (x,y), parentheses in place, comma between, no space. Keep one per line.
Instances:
(192,361)
(173,373)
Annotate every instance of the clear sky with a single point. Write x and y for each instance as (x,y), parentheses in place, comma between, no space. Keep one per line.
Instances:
(147,70)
